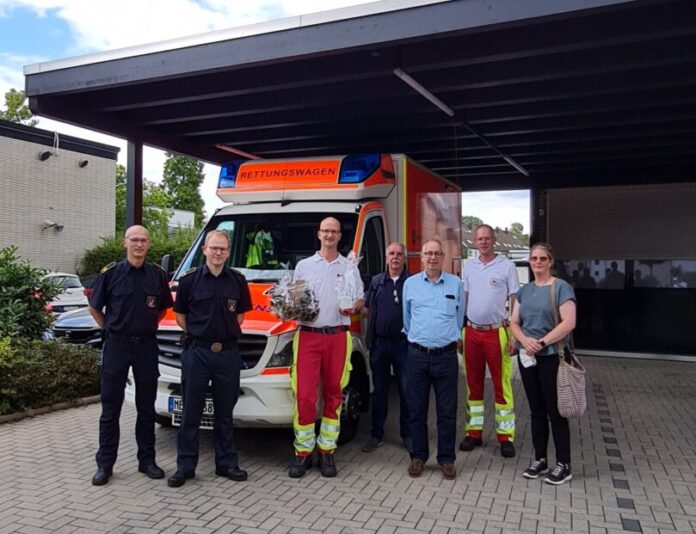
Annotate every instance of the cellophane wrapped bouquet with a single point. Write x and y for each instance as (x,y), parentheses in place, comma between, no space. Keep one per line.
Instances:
(348,286)
(294,300)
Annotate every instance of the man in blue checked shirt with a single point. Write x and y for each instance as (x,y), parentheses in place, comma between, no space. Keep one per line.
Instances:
(433,319)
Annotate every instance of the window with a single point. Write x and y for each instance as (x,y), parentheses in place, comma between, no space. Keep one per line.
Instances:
(373,247)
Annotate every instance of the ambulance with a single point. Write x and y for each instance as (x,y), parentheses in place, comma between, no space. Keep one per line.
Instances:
(274,211)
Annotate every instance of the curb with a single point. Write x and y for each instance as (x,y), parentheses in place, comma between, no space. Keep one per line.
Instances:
(84,401)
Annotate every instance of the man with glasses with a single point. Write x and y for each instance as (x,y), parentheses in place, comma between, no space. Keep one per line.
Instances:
(489,281)
(322,352)
(128,300)
(433,318)
(387,344)
(210,306)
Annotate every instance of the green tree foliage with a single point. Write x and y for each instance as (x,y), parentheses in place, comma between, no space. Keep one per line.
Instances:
(24,293)
(16,110)
(181,180)
(156,205)
(40,373)
(471,221)
(518,231)
(111,249)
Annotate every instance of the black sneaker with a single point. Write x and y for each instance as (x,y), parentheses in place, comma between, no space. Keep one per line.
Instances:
(372,444)
(538,467)
(327,465)
(507,449)
(299,468)
(560,475)
(468,444)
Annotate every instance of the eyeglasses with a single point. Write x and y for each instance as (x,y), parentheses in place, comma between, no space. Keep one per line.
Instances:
(332,232)
(432,254)
(539,258)
(138,240)
(396,296)
(218,250)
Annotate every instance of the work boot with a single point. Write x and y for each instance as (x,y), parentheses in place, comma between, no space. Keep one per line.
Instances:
(507,449)
(299,468)
(327,465)
(468,444)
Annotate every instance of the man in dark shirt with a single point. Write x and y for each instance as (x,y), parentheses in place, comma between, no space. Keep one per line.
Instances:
(128,300)
(387,344)
(210,306)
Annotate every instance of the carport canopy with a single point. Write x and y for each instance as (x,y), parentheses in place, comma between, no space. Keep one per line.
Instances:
(492,94)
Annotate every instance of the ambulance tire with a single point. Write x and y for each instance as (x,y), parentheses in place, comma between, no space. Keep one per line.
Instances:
(350,414)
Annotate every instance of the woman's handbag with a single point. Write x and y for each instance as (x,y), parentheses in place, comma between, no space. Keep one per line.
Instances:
(570,380)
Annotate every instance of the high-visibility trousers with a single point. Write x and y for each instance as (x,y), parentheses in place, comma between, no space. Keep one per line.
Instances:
(490,348)
(325,357)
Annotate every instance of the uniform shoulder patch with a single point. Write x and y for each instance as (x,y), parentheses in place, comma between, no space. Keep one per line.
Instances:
(190,271)
(107,267)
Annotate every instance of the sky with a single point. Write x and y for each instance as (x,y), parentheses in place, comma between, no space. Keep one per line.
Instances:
(33,31)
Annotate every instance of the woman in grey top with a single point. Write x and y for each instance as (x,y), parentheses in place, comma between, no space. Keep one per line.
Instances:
(539,341)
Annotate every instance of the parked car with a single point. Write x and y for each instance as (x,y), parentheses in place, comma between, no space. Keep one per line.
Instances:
(79,327)
(71,298)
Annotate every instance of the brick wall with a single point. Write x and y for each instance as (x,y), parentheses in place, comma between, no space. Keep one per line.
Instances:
(33,191)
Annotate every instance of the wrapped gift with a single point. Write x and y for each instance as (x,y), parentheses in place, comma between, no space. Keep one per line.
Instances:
(348,286)
(294,300)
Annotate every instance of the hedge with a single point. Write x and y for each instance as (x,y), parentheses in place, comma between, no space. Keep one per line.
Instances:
(41,373)
(111,249)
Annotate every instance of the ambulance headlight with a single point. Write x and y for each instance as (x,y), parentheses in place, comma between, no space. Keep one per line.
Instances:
(282,355)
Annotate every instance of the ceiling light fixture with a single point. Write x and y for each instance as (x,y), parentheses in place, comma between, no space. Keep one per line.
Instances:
(413,84)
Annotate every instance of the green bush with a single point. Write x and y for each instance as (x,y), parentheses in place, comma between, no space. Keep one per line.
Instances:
(41,373)
(111,249)
(24,293)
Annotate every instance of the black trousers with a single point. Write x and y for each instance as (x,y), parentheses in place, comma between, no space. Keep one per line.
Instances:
(117,358)
(199,367)
(540,386)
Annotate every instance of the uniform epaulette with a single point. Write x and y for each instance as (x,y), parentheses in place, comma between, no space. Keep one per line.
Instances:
(238,274)
(107,267)
(191,270)
(160,267)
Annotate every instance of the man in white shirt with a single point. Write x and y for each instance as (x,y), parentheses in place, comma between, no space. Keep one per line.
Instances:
(489,281)
(322,352)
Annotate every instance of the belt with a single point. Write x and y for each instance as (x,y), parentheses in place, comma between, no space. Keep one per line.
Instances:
(486,327)
(129,339)
(324,329)
(435,350)
(212,346)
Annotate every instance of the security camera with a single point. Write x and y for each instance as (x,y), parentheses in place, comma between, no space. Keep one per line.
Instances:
(50,224)
(58,227)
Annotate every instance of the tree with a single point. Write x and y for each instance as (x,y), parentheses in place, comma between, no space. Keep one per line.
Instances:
(471,221)
(181,180)
(518,231)
(156,205)
(16,110)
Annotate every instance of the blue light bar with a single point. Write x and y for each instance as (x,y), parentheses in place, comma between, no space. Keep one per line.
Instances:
(228,173)
(358,167)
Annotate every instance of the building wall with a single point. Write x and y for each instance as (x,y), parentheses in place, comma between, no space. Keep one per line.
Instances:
(82,200)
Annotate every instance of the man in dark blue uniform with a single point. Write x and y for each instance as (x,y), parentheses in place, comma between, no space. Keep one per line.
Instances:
(128,300)
(209,308)
(388,344)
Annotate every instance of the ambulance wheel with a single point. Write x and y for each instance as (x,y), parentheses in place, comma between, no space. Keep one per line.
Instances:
(163,420)
(350,414)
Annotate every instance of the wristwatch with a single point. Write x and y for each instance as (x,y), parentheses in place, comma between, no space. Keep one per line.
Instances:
(542,343)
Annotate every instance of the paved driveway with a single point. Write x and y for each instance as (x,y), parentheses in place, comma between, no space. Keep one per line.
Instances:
(634,468)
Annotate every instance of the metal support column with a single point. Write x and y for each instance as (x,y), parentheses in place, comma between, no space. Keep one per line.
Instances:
(134,184)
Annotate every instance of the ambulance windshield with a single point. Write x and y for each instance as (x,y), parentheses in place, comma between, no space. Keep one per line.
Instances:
(266,246)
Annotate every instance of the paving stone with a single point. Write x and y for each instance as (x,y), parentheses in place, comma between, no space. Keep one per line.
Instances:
(645,407)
